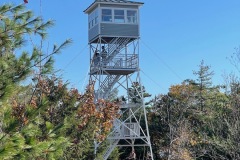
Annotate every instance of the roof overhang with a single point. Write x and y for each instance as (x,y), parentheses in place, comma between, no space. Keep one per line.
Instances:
(127,3)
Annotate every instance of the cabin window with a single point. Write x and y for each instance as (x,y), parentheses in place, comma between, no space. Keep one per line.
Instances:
(96,20)
(93,19)
(106,15)
(131,16)
(96,17)
(119,16)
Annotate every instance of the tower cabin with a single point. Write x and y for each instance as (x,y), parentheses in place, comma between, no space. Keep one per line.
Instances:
(112,18)
(112,26)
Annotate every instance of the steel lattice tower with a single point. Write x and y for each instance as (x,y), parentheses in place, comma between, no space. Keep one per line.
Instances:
(113,33)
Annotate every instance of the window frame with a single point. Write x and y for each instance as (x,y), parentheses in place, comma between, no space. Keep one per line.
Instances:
(113,15)
(107,15)
(93,18)
(136,18)
(124,16)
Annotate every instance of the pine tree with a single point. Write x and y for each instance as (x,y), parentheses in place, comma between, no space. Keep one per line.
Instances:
(44,119)
(137,93)
(16,23)
(203,83)
(21,125)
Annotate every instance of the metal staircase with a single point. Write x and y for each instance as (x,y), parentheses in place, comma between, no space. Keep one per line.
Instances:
(113,144)
(107,84)
(115,46)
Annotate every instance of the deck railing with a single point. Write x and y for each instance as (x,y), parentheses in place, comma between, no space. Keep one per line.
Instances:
(120,61)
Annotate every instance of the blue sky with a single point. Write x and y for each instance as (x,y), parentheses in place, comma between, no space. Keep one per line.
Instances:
(175,36)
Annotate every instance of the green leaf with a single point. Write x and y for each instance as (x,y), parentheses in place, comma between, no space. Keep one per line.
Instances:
(49,126)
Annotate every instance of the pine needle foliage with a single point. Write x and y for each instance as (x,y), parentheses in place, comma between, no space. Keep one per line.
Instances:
(43,119)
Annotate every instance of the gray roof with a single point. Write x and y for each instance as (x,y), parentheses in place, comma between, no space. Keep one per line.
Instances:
(119,1)
(125,2)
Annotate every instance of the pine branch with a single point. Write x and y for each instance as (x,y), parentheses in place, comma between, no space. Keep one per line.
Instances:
(5,8)
(55,51)
(45,25)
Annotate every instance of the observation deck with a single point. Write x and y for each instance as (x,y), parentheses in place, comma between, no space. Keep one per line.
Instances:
(118,65)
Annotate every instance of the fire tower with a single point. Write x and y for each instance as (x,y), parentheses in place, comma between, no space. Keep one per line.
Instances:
(113,35)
